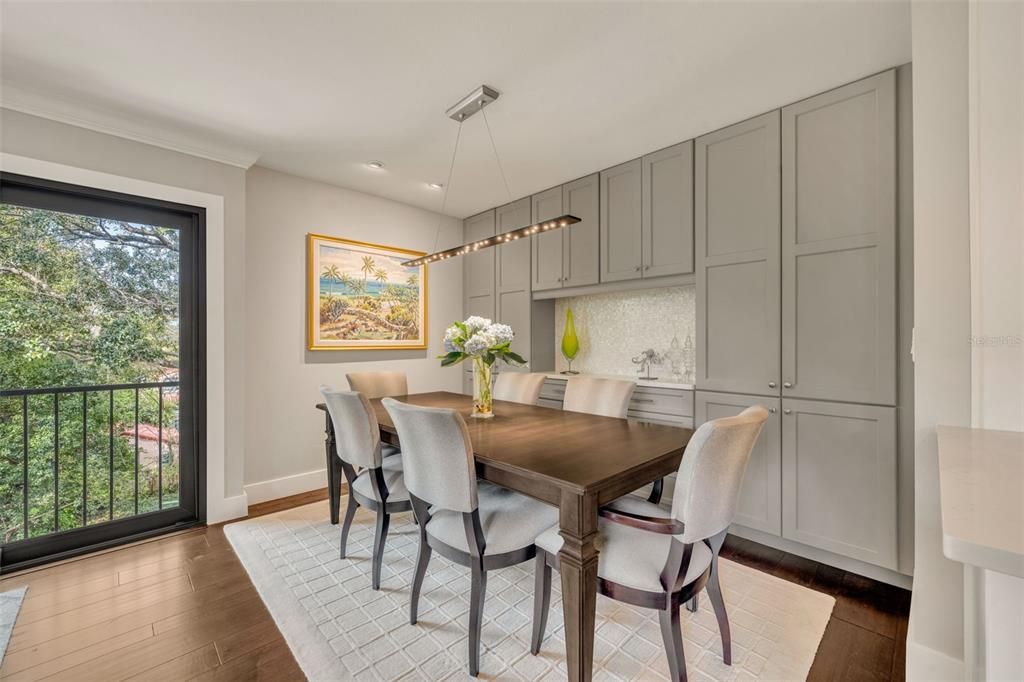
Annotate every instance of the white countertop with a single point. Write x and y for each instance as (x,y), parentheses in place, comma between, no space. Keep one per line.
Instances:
(656,383)
(981,479)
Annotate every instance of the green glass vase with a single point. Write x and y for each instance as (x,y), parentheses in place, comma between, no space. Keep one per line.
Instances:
(570,344)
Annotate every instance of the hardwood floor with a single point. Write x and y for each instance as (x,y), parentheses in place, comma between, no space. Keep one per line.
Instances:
(182,607)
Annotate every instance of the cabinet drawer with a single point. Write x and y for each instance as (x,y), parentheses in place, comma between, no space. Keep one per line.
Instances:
(664,401)
(553,404)
(553,389)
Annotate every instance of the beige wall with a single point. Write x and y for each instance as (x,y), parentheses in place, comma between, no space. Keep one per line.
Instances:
(284,433)
(37,138)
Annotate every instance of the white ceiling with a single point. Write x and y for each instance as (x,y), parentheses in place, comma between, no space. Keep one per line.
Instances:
(319,89)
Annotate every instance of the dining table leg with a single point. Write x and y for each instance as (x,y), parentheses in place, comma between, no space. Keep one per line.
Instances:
(333,471)
(578,569)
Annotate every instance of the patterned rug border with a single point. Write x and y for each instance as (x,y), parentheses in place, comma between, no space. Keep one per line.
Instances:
(311,649)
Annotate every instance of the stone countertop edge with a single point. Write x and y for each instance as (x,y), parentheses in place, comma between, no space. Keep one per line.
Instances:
(981,479)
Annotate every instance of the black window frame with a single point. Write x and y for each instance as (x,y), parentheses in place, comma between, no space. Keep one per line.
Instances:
(52,195)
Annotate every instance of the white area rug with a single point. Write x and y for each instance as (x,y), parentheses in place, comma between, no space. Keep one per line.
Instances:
(10,604)
(340,629)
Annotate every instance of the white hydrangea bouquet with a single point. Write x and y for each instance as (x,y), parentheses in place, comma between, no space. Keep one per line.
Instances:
(484,342)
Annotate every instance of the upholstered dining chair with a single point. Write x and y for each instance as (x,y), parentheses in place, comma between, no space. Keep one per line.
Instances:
(518,387)
(659,562)
(479,525)
(595,395)
(379,484)
(379,385)
(608,398)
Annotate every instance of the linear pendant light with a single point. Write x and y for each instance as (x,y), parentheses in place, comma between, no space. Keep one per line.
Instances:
(503,238)
(467,106)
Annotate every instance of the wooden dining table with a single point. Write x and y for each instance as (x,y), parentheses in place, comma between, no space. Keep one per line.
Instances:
(574,461)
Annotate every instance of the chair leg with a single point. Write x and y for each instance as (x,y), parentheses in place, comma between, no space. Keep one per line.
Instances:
(672,635)
(379,538)
(656,490)
(350,513)
(541,600)
(693,604)
(714,589)
(422,559)
(477,590)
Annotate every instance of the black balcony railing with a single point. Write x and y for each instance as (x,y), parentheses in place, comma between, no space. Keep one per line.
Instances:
(120,444)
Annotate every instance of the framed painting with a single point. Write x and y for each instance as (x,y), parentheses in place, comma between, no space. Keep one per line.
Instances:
(360,297)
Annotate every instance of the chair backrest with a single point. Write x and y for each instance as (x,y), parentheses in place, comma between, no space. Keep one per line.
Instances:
(356,431)
(711,473)
(437,456)
(593,395)
(378,384)
(518,387)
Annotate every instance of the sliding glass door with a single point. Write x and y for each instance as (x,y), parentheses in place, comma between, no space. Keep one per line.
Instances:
(101,369)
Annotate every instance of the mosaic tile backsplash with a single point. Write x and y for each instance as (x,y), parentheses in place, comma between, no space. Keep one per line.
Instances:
(614,328)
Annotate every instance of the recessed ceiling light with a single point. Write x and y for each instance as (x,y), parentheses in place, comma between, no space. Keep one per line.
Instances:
(375,165)
(435,185)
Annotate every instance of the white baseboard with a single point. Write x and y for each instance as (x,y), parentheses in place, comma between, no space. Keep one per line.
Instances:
(227,508)
(925,664)
(275,488)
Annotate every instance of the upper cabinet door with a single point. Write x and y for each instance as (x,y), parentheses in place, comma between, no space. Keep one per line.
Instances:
(547,246)
(478,270)
(737,218)
(838,244)
(760,502)
(581,261)
(513,272)
(621,255)
(668,211)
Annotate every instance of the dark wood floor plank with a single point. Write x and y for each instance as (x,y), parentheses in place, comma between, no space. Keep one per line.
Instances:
(271,662)
(185,667)
(35,664)
(849,652)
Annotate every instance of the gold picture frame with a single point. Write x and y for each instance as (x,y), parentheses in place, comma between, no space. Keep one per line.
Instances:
(360,297)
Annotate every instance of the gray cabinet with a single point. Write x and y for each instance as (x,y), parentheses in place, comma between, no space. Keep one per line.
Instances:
(478,267)
(839,478)
(547,246)
(839,244)
(667,220)
(737,215)
(621,218)
(568,257)
(513,259)
(581,262)
(760,503)
(512,278)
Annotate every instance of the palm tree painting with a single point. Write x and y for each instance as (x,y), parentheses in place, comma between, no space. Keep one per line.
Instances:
(361,296)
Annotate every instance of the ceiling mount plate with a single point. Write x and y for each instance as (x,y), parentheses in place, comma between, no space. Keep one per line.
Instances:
(472,103)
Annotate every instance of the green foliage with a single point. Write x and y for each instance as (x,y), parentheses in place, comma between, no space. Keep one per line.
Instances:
(83,301)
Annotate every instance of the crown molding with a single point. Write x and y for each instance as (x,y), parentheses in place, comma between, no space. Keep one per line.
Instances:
(16,98)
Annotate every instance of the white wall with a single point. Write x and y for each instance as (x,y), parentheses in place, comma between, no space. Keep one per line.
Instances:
(942,323)
(74,148)
(996,134)
(284,433)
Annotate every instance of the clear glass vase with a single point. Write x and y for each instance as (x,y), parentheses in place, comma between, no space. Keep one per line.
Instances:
(482,401)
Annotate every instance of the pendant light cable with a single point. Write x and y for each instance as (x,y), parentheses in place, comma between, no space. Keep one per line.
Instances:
(497,158)
(448,185)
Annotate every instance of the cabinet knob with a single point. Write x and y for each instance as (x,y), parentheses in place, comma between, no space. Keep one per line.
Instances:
(647,267)
(787,384)
(638,268)
(771,384)
(772,410)
(788,411)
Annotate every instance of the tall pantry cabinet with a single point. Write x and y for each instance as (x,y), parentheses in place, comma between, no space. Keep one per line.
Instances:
(795,257)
